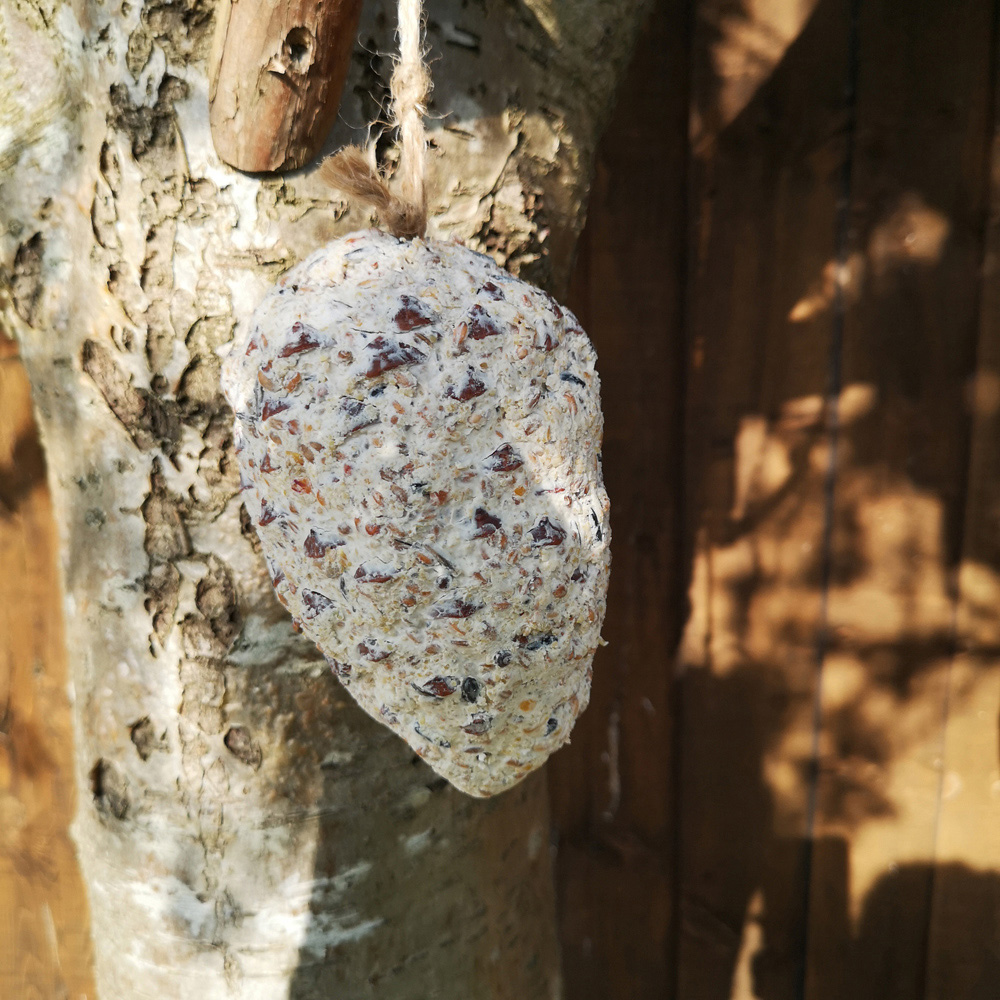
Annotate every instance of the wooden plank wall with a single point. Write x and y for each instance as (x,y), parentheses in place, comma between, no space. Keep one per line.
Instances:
(44,933)
(787,786)
(806,484)
(611,793)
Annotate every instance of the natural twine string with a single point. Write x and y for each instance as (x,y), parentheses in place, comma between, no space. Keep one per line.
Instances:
(403,214)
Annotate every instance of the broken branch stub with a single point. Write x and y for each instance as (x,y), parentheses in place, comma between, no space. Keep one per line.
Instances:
(277,71)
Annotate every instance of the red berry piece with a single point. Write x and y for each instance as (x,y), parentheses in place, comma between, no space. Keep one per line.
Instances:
(389,354)
(486,524)
(306,339)
(438,687)
(547,533)
(482,324)
(411,314)
(455,608)
(315,602)
(504,459)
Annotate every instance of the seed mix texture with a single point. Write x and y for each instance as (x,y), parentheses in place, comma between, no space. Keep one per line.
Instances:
(419,441)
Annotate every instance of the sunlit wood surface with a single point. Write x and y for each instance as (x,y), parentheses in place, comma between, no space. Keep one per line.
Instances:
(44,934)
(787,786)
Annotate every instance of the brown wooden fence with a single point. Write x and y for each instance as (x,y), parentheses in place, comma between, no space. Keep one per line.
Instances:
(788,783)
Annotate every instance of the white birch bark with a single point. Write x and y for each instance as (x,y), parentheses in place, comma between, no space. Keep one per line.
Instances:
(244,829)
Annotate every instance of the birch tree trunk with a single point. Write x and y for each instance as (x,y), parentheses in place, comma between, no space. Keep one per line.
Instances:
(243,828)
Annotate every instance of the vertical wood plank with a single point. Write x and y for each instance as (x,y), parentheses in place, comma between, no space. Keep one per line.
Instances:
(44,933)
(963,950)
(767,175)
(611,788)
(917,191)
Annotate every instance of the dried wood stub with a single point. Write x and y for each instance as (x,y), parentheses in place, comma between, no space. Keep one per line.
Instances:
(277,72)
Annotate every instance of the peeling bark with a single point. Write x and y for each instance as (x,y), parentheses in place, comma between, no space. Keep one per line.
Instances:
(244,829)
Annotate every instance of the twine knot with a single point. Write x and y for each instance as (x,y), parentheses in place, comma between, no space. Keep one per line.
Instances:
(403,214)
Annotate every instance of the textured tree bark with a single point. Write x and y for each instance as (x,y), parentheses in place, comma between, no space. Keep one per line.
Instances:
(244,829)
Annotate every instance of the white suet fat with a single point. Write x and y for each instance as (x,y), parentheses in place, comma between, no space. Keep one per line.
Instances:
(419,440)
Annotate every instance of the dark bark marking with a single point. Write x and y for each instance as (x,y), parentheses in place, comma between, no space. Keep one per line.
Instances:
(149,128)
(26,278)
(148,420)
(247,529)
(144,738)
(166,536)
(110,789)
(243,746)
(162,585)
(215,598)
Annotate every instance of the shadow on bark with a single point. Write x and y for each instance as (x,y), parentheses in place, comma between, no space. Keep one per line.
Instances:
(462,882)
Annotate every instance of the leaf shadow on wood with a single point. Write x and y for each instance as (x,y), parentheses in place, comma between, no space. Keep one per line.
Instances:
(969,969)
(22,463)
(781,575)
(45,948)
(865,962)
(792,582)
(23,473)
